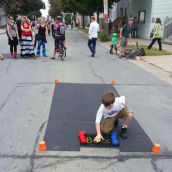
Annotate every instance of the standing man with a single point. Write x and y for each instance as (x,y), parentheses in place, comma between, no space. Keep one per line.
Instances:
(92,35)
(18,22)
(125,34)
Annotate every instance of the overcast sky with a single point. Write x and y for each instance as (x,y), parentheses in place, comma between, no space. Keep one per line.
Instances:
(45,11)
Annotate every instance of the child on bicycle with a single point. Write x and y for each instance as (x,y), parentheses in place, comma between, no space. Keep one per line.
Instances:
(59,36)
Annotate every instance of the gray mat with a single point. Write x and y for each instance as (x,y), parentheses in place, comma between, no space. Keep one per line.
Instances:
(74,108)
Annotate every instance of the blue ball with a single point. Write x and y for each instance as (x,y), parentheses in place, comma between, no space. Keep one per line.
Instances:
(114,139)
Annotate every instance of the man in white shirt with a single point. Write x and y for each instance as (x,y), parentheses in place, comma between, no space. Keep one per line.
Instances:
(92,35)
(110,110)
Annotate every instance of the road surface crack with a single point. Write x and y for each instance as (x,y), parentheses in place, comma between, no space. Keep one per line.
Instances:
(31,169)
(95,74)
(154,165)
(8,97)
(9,65)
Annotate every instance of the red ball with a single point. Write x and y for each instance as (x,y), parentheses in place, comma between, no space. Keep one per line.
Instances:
(83,140)
(82,137)
(81,133)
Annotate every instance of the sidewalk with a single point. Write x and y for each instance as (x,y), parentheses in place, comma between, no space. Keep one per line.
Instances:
(2,31)
(166,47)
(162,62)
(160,66)
(141,42)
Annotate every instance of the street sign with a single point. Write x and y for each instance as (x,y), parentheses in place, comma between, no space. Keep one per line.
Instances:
(105,8)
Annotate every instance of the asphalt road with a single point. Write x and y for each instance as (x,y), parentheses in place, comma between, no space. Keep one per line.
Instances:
(26,90)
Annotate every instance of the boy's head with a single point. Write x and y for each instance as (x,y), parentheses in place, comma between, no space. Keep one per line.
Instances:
(108,98)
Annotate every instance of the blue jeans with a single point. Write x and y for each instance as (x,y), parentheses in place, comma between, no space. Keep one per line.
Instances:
(41,43)
(92,45)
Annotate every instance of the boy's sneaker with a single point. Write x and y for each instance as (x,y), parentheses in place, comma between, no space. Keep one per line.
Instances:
(124,133)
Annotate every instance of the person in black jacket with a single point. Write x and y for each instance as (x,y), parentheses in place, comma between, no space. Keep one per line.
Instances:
(18,23)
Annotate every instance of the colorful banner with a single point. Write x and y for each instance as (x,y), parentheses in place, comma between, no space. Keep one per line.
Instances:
(105,8)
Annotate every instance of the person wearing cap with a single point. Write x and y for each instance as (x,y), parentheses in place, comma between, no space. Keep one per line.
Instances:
(125,34)
(92,35)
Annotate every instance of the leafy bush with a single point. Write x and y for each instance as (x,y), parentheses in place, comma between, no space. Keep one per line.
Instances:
(103,37)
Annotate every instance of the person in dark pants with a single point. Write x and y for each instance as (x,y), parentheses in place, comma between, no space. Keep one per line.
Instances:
(52,27)
(134,32)
(13,36)
(110,26)
(93,34)
(157,35)
(125,35)
(18,22)
(42,37)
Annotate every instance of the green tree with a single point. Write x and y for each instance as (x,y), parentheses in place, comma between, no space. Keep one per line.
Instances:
(84,7)
(55,7)
(24,7)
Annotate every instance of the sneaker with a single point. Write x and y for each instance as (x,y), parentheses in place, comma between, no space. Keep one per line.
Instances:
(53,58)
(92,55)
(124,133)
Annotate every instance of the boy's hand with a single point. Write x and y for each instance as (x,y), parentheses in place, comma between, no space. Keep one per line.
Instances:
(98,138)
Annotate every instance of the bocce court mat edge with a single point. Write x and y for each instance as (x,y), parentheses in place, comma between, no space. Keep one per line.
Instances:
(74,108)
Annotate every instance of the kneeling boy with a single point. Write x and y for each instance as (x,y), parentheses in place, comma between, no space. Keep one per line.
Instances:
(111,109)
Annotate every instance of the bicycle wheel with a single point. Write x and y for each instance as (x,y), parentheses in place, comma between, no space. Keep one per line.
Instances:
(61,54)
(64,52)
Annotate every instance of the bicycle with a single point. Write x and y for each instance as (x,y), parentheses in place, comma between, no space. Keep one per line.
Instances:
(62,50)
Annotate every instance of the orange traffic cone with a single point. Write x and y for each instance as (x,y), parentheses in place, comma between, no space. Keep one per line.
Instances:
(42,146)
(113,82)
(56,82)
(156,148)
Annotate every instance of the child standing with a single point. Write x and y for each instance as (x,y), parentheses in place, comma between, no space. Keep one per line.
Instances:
(111,109)
(114,43)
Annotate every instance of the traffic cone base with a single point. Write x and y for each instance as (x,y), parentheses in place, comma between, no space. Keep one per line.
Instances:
(42,146)
(57,81)
(113,82)
(156,148)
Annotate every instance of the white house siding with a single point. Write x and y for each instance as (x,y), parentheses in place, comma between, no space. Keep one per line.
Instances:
(142,5)
(113,12)
(119,9)
(122,9)
(163,10)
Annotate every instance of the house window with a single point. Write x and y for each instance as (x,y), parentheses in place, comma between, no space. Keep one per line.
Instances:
(125,12)
(121,12)
(142,17)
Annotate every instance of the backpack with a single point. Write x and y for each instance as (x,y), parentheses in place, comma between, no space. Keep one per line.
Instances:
(62,30)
